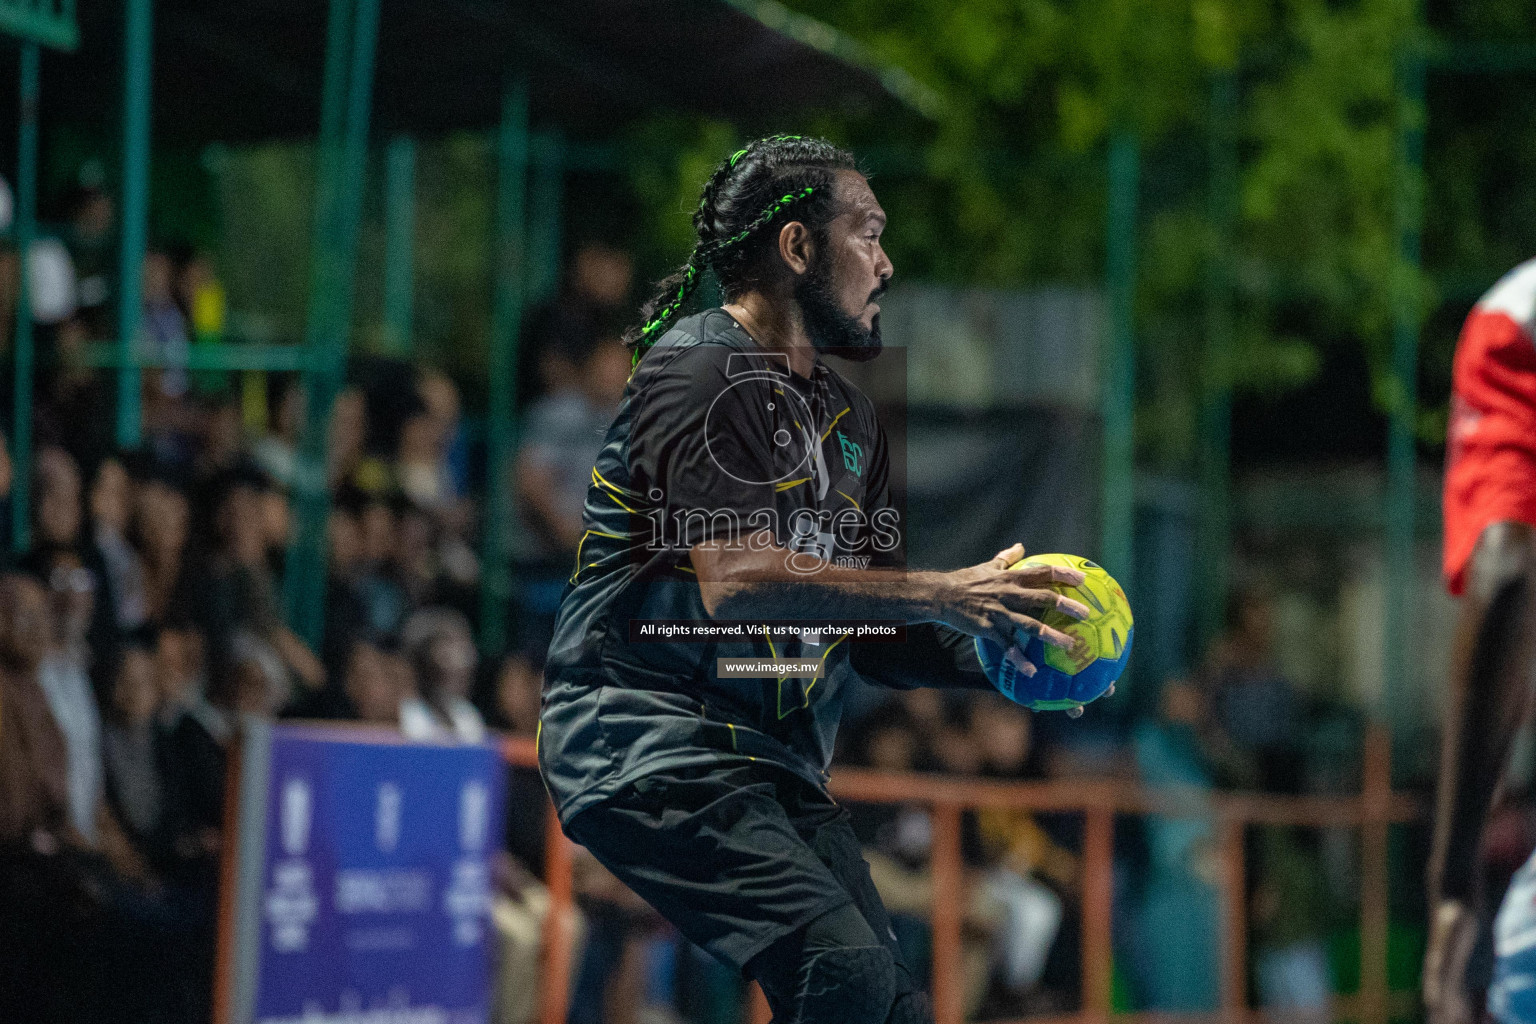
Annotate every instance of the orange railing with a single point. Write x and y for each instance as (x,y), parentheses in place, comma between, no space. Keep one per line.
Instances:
(1372,811)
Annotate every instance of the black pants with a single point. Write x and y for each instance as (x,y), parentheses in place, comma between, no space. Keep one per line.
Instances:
(761,869)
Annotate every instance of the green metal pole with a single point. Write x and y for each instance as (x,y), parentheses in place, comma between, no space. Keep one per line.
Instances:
(1117,398)
(399,243)
(26,225)
(1401,455)
(544,231)
(354,166)
(138,56)
(312,475)
(501,429)
(333,277)
(1216,397)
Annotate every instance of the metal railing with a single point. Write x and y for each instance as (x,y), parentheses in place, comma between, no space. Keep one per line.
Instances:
(1373,810)
(48,22)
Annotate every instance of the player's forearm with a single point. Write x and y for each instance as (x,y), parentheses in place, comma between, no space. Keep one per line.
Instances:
(831,594)
(1489,673)
(773,582)
(1472,753)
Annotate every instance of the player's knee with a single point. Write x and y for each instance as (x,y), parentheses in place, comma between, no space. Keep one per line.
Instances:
(847,985)
(1505,556)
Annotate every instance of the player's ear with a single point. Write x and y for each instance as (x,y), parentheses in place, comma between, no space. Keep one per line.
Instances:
(796,247)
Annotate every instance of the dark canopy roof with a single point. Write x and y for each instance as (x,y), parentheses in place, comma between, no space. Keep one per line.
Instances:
(238,70)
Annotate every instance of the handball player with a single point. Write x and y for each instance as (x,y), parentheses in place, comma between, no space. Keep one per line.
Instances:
(744,479)
(1490,561)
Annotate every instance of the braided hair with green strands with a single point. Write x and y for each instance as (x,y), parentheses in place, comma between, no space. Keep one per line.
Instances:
(767,182)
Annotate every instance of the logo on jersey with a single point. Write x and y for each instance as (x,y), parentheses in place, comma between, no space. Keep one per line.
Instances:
(853,455)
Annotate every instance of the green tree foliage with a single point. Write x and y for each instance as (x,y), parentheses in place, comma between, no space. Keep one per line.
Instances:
(1008,187)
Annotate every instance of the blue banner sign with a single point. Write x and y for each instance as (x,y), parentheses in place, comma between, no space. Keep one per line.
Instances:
(360,890)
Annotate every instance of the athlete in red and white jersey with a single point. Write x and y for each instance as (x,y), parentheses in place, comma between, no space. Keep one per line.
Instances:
(1489,560)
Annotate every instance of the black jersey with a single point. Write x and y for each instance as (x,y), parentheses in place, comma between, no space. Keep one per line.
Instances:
(715,438)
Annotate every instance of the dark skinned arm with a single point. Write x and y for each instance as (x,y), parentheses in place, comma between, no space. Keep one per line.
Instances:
(1489,699)
(760,580)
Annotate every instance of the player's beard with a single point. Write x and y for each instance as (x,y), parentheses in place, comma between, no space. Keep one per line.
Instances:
(833,331)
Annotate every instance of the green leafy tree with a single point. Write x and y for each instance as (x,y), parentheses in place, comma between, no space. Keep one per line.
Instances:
(1007,187)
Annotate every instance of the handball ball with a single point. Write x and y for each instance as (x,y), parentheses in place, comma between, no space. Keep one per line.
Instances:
(1066,680)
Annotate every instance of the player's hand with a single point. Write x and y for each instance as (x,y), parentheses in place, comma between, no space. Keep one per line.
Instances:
(1452,933)
(987,600)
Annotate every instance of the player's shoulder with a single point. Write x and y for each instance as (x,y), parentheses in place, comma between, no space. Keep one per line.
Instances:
(860,405)
(1513,295)
(710,335)
(688,368)
(697,351)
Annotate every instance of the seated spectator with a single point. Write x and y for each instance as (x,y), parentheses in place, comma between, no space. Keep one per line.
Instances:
(416,557)
(421,461)
(171,420)
(180,672)
(64,674)
(346,448)
(441,649)
(200,293)
(58,515)
(196,725)
(561,438)
(400,670)
(242,592)
(44,905)
(440,395)
(162,528)
(432,471)
(1256,708)
(560,334)
(250,680)
(71,396)
(111,507)
(221,438)
(372,688)
(344,613)
(34,762)
(382,601)
(92,216)
(277,452)
(258,681)
(131,750)
(514,709)
(6,471)
(515,694)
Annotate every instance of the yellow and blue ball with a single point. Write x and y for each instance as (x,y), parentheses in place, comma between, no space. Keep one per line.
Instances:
(1066,680)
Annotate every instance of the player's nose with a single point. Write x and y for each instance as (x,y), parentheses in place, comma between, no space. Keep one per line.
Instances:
(884,269)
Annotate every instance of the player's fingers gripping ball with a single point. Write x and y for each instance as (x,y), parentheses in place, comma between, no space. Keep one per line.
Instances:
(1065,680)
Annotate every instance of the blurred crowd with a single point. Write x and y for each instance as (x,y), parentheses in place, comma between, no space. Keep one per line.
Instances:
(147,612)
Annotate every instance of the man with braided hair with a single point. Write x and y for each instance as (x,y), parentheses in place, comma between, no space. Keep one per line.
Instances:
(742,480)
